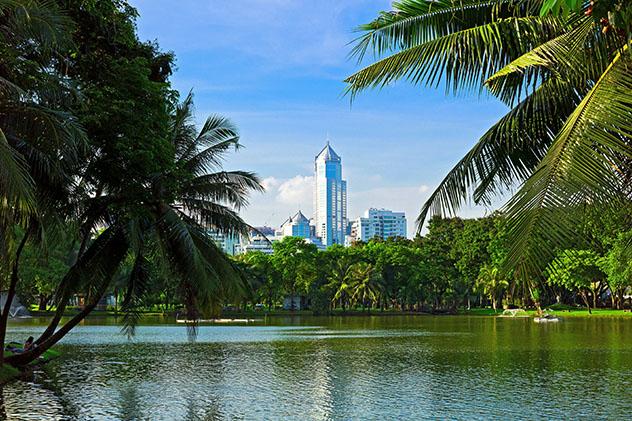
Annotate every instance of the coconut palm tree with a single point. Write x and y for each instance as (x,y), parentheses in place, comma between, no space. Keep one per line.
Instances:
(491,284)
(172,221)
(364,285)
(566,140)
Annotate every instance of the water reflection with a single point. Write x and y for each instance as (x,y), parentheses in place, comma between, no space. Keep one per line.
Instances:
(322,369)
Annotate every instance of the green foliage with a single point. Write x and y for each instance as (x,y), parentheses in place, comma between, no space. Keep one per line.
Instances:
(491,283)
(94,140)
(617,264)
(43,266)
(577,270)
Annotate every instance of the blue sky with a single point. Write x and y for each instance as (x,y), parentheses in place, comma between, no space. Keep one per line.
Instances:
(275,67)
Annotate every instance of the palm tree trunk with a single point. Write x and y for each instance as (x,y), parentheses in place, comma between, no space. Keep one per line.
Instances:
(28,357)
(4,317)
(114,245)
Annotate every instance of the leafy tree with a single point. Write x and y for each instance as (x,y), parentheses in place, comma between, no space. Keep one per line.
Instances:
(34,127)
(293,260)
(43,266)
(173,213)
(471,250)
(617,264)
(578,270)
(439,269)
(265,278)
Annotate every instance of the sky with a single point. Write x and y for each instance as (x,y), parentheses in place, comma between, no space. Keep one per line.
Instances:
(276,69)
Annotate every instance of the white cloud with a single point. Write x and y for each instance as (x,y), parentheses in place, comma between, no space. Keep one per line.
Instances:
(296,191)
(270,183)
(423,188)
(282,198)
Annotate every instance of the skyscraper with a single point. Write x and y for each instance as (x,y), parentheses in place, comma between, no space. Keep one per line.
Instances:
(330,197)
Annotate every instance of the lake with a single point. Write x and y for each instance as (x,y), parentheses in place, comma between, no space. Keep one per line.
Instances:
(338,368)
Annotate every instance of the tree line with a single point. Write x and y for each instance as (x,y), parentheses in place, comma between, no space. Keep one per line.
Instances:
(457,264)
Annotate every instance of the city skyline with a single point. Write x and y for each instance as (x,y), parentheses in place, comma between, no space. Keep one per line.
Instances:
(285,92)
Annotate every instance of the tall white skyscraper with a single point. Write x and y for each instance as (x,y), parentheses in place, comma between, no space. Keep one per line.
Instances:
(330,197)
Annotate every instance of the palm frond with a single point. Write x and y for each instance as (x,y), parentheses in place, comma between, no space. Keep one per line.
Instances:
(230,187)
(507,153)
(413,22)
(582,166)
(462,59)
(42,21)
(137,288)
(214,216)
(577,56)
(16,185)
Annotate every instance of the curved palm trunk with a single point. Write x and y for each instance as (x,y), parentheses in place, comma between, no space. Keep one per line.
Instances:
(4,317)
(114,245)
(28,357)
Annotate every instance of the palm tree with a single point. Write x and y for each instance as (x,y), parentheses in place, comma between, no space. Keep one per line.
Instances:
(566,140)
(172,221)
(365,287)
(491,284)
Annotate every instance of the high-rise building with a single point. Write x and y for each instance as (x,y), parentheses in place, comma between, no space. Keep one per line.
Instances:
(330,197)
(382,223)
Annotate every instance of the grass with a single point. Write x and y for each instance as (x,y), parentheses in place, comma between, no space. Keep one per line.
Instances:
(8,373)
(560,311)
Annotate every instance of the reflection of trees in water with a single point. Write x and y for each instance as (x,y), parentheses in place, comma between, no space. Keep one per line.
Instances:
(36,395)
(208,411)
(130,405)
(3,411)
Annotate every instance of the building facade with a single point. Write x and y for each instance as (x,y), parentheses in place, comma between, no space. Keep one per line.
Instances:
(330,197)
(299,226)
(296,226)
(258,243)
(382,223)
(229,243)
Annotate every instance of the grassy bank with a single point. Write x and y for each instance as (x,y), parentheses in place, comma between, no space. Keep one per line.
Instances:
(562,312)
(8,373)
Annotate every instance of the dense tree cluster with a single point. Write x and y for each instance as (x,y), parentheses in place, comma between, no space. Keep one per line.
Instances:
(457,264)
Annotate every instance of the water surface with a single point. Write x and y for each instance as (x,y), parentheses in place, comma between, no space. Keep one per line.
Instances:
(354,368)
